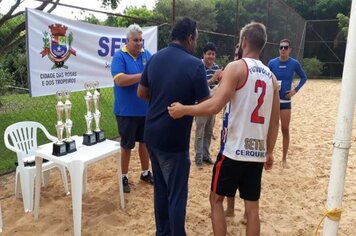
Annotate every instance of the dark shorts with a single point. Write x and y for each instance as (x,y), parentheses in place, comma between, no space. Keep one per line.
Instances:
(285,106)
(230,175)
(131,130)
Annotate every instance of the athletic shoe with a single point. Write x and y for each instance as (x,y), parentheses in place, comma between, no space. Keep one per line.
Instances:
(208,161)
(125,183)
(199,163)
(147,178)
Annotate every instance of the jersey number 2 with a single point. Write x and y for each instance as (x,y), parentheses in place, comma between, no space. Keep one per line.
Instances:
(255,118)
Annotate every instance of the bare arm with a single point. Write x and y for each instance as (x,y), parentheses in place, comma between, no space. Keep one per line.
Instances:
(143,92)
(273,126)
(231,77)
(127,80)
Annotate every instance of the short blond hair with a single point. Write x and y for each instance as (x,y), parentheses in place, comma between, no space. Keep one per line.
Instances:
(255,34)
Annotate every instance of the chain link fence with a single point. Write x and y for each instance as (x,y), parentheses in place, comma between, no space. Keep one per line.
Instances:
(281,22)
(325,41)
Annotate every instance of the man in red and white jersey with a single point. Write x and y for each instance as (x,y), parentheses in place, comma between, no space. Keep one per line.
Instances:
(250,128)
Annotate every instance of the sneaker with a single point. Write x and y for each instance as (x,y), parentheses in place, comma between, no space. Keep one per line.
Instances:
(199,163)
(147,178)
(208,161)
(125,183)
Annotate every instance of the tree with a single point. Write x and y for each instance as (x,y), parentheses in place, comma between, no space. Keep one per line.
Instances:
(320,9)
(203,11)
(343,24)
(112,3)
(14,35)
(92,20)
(141,16)
(312,66)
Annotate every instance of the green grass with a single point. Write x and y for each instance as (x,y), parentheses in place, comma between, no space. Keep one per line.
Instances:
(21,107)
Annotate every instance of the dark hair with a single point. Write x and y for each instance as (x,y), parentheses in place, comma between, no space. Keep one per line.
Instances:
(285,41)
(209,46)
(183,28)
(255,34)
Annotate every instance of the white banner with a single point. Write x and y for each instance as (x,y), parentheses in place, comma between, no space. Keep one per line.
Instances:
(63,54)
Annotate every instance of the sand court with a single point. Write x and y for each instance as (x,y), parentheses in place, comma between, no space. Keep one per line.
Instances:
(292,200)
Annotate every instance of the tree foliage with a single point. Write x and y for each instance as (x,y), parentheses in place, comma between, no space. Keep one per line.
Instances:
(5,80)
(343,24)
(141,16)
(92,20)
(203,11)
(112,3)
(320,9)
(15,37)
(312,66)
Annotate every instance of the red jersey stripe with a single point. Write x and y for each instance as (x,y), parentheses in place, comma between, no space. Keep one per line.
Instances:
(217,172)
(237,88)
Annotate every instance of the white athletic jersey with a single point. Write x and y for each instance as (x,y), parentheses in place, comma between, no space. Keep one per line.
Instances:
(247,115)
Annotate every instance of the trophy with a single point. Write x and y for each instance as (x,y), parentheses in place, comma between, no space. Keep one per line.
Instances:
(70,143)
(89,137)
(59,147)
(96,98)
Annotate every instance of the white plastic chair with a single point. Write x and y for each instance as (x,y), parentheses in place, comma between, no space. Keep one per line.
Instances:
(23,136)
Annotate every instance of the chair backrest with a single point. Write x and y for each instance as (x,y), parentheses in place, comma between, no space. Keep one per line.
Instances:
(23,136)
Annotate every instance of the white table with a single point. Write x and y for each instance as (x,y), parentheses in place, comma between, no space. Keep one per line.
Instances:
(77,163)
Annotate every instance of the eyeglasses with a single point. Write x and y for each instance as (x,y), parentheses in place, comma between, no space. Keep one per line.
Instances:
(283,47)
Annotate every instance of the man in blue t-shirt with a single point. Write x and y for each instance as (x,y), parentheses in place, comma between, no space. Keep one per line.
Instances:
(127,65)
(284,68)
(172,74)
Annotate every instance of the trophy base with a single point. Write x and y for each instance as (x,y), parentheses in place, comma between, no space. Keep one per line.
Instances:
(100,136)
(89,139)
(59,149)
(70,146)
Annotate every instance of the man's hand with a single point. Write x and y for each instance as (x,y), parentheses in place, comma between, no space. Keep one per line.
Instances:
(291,93)
(216,77)
(269,161)
(176,110)
(219,74)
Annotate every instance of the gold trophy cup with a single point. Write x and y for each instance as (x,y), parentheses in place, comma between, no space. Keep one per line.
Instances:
(59,147)
(97,114)
(89,137)
(70,143)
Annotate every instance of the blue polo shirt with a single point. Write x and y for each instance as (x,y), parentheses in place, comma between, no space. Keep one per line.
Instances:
(127,103)
(172,75)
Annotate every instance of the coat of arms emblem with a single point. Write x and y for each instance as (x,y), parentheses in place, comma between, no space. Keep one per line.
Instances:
(57,46)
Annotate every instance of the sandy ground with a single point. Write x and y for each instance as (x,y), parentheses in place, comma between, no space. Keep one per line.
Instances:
(292,200)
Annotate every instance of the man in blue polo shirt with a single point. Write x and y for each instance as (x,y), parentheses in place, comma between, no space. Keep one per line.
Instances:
(172,74)
(127,65)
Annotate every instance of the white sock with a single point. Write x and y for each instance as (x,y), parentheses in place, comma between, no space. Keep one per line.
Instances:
(144,172)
